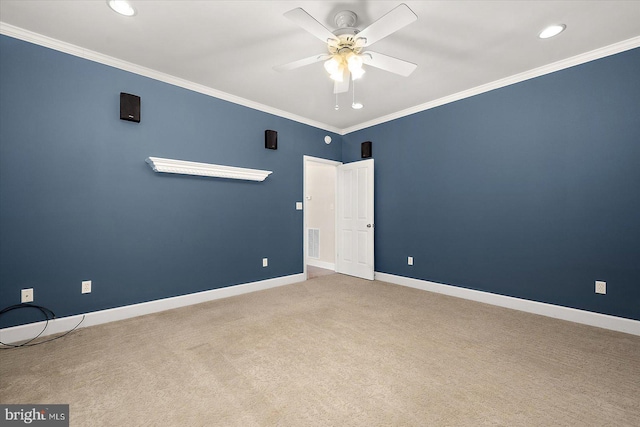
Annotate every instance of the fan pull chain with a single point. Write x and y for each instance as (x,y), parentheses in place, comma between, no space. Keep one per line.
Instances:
(337,107)
(353,93)
(355,105)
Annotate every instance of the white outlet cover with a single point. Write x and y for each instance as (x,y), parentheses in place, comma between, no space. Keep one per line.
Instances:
(299,205)
(265,262)
(601,287)
(26,295)
(410,260)
(86,286)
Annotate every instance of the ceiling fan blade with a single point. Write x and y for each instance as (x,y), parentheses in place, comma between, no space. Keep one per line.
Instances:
(388,63)
(301,62)
(394,20)
(309,23)
(343,86)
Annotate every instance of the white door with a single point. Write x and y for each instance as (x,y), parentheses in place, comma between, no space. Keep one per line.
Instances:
(355,219)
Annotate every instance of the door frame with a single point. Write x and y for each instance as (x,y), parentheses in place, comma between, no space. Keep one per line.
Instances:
(305,238)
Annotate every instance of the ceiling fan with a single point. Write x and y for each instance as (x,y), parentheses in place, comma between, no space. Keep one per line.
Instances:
(348,47)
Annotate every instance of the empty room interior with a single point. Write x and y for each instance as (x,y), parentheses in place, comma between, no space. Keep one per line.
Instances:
(336,213)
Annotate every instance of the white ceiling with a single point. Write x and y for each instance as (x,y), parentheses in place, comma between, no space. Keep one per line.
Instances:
(232,46)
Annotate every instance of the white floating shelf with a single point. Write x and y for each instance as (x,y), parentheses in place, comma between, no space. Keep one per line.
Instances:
(205,169)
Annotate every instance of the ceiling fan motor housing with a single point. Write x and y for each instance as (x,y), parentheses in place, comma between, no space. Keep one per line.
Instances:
(346,19)
(346,34)
(344,44)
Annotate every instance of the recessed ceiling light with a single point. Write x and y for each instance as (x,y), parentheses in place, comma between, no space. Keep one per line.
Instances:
(122,7)
(552,30)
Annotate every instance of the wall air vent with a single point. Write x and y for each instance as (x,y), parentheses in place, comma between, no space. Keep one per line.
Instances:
(314,243)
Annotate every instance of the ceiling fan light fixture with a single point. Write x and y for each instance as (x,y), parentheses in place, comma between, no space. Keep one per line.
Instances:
(332,65)
(354,61)
(345,45)
(357,73)
(122,7)
(338,75)
(552,30)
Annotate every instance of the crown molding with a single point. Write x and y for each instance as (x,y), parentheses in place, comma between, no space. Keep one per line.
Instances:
(507,81)
(71,49)
(35,38)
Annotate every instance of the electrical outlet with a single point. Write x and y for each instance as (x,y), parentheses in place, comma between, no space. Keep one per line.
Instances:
(601,287)
(265,262)
(26,295)
(410,260)
(86,286)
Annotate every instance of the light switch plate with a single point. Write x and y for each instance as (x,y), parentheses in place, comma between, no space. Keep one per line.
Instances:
(601,287)
(298,206)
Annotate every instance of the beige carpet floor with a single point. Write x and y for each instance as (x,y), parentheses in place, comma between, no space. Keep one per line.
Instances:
(313,272)
(334,351)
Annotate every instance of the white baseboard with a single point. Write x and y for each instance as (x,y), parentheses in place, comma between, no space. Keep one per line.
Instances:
(25,332)
(605,321)
(321,264)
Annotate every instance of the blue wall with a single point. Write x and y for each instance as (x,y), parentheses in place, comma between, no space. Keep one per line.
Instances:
(532,190)
(78,202)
